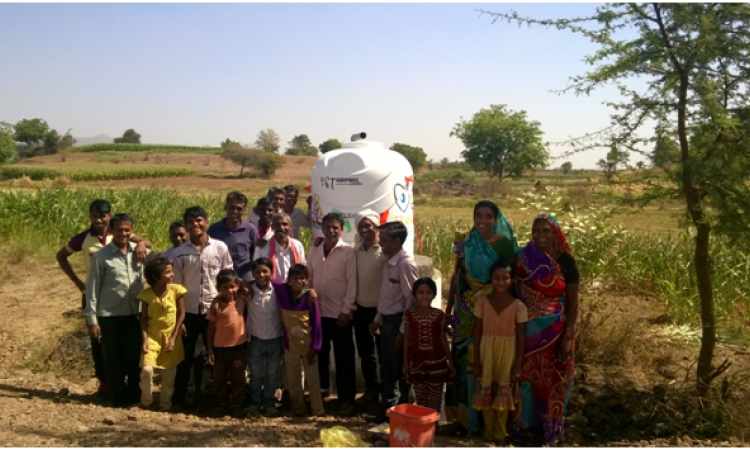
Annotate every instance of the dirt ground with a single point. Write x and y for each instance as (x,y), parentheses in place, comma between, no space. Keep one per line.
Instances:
(40,329)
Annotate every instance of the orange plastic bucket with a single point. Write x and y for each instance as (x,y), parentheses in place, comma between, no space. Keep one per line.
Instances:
(412,425)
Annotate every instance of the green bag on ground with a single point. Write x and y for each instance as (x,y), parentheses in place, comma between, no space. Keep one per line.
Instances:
(340,437)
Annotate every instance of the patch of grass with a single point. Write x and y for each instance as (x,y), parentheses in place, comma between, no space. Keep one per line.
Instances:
(447,174)
(62,213)
(161,148)
(12,253)
(99,173)
(64,350)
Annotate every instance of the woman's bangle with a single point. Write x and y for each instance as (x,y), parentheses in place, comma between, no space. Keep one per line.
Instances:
(570,334)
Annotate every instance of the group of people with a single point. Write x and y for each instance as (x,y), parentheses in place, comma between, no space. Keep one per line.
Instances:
(514,312)
(244,290)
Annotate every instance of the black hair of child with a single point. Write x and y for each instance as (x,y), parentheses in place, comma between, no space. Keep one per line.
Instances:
(176,224)
(226,276)
(298,270)
(194,212)
(488,204)
(291,188)
(263,203)
(333,216)
(119,217)
(100,206)
(155,269)
(430,284)
(262,262)
(502,264)
(395,230)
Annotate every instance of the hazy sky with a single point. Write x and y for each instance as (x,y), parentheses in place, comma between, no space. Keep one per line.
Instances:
(196,74)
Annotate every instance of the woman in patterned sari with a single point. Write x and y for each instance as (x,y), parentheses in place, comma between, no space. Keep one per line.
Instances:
(490,239)
(547,279)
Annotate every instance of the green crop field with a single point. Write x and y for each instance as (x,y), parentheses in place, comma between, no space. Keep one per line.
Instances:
(100,173)
(160,148)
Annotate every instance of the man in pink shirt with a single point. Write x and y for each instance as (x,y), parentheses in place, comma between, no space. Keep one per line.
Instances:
(333,275)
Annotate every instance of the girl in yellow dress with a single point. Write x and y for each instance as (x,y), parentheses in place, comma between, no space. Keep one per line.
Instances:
(162,314)
(499,334)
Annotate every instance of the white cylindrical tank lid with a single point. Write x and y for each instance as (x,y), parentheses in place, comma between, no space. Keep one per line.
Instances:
(358,136)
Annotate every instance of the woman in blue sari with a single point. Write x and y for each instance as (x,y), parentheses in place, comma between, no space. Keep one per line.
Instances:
(490,239)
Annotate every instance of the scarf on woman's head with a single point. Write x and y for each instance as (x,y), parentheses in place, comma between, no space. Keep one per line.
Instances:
(562,242)
(480,255)
(538,265)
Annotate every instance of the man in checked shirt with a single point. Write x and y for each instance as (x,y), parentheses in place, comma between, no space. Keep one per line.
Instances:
(195,264)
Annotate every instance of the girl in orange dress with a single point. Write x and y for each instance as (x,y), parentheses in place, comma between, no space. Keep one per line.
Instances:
(499,336)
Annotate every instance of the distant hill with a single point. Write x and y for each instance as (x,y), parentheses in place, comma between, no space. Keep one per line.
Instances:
(98,139)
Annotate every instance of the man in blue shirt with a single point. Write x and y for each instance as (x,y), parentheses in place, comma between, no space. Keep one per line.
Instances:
(239,235)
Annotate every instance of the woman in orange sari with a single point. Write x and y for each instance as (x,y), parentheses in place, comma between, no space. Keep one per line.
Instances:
(547,283)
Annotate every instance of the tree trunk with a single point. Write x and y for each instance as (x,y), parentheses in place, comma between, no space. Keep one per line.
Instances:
(708,319)
(242,167)
(701,257)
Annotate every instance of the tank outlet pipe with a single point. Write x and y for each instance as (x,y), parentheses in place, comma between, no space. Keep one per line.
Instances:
(358,136)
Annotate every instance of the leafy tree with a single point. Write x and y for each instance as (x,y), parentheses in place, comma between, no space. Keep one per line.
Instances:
(242,156)
(227,142)
(415,155)
(265,163)
(501,141)
(7,144)
(66,141)
(268,140)
(640,165)
(51,143)
(566,167)
(694,61)
(301,145)
(34,137)
(615,160)
(330,144)
(30,135)
(129,137)
(444,163)
(268,163)
(666,152)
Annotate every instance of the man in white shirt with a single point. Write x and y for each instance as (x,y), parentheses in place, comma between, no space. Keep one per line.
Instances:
(283,250)
(195,264)
(369,278)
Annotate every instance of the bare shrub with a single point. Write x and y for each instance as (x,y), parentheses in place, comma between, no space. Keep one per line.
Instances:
(491,188)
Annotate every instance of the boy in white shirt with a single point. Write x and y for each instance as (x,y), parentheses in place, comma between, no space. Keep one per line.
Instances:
(266,346)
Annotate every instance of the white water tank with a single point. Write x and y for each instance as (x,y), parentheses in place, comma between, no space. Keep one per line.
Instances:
(363,175)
